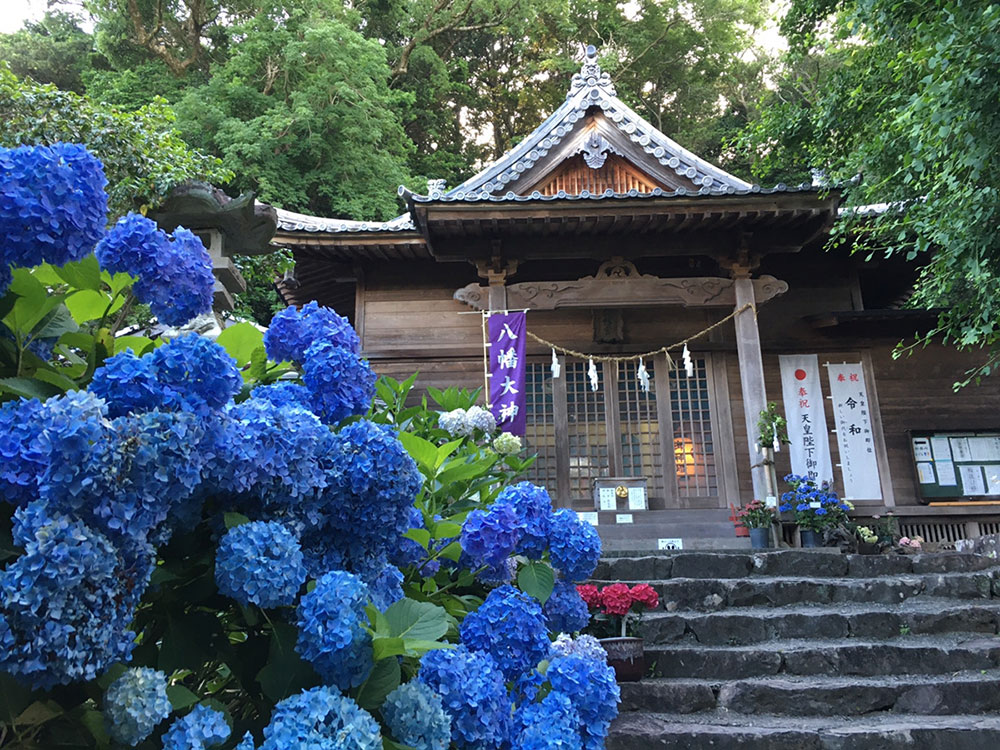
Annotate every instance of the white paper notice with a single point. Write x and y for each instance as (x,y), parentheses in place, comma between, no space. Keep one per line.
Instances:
(992,480)
(946,474)
(972,480)
(589,516)
(925,471)
(941,449)
(960,448)
(809,445)
(922,449)
(983,449)
(623,518)
(636,498)
(851,414)
(606,496)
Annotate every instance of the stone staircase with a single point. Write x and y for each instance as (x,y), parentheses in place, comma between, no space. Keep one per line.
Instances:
(813,650)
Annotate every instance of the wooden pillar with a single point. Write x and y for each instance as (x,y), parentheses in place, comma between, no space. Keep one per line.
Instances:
(498,292)
(751,375)
(497,271)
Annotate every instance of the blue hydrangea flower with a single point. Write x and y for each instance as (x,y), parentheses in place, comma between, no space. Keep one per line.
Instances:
(283,394)
(340,383)
(321,719)
(135,703)
(201,729)
(67,601)
(372,483)
(591,687)
(415,716)
(52,204)
(128,384)
(197,373)
(511,628)
(490,538)
(330,634)
(260,562)
(174,271)
(583,645)
(534,508)
(246,743)
(384,581)
(574,546)
(525,688)
(552,724)
(6,276)
(407,551)
(473,694)
(293,331)
(20,465)
(565,610)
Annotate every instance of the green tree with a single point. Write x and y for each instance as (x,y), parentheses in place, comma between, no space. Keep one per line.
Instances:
(302,113)
(142,153)
(900,103)
(54,50)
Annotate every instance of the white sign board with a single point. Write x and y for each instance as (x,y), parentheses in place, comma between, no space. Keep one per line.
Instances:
(852,416)
(800,389)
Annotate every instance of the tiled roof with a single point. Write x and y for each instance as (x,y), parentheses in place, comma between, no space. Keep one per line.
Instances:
(289,221)
(459,196)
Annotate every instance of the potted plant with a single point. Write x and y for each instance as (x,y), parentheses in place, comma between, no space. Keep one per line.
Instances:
(757,518)
(867,541)
(816,508)
(615,610)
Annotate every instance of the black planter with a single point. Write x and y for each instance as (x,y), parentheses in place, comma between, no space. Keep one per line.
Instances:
(810,538)
(627,657)
(760,538)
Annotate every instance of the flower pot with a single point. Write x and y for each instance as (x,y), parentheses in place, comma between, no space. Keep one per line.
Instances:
(760,538)
(627,657)
(868,548)
(810,538)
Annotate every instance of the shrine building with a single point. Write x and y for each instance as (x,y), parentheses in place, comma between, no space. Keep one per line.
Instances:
(618,241)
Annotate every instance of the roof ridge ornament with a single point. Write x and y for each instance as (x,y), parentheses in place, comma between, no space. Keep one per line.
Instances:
(591,76)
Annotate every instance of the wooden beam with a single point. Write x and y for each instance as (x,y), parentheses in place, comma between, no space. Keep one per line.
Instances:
(751,375)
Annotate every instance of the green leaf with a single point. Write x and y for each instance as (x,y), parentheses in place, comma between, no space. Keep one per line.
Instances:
(232,519)
(423,451)
(14,698)
(446,450)
(384,678)
(446,530)
(138,344)
(90,304)
(286,672)
(37,713)
(180,697)
(388,744)
(418,647)
(452,552)
(258,365)
(118,281)
(419,620)
(464,471)
(55,324)
(383,648)
(241,340)
(420,536)
(47,274)
(537,579)
(29,388)
(96,724)
(56,379)
(82,274)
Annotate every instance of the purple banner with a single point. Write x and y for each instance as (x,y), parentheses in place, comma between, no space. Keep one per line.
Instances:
(507,393)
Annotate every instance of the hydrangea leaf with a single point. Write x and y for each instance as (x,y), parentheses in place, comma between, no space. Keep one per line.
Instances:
(446,450)
(81,274)
(383,680)
(417,620)
(138,344)
(537,579)
(55,379)
(240,341)
(180,697)
(384,648)
(420,536)
(233,520)
(54,324)
(388,744)
(446,530)
(285,673)
(452,552)
(94,722)
(461,472)
(29,388)
(424,452)
(91,304)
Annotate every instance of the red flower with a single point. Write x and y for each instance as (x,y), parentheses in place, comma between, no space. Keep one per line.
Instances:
(616,599)
(590,595)
(643,593)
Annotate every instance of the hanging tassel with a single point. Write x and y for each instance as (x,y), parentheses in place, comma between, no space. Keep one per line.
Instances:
(643,374)
(592,374)
(555,366)
(777,443)
(688,362)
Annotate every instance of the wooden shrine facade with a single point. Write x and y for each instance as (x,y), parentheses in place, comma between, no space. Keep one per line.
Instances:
(620,241)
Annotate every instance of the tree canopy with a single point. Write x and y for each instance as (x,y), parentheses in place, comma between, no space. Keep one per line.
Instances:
(899,102)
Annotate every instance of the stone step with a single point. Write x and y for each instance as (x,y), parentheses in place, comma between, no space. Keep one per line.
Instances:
(821,563)
(709,595)
(936,654)
(724,730)
(969,692)
(739,626)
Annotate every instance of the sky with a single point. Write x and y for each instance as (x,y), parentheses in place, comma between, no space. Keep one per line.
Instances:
(13,13)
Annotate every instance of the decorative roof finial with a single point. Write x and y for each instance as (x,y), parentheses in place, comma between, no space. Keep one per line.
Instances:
(591,77)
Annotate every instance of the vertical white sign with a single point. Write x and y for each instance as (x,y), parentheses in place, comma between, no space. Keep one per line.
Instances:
(809,444)
(852,416)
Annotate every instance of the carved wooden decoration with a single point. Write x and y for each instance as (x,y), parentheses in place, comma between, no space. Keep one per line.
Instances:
(617,283)
(577,174)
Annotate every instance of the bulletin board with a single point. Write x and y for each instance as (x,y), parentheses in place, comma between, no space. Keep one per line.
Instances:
(956,464)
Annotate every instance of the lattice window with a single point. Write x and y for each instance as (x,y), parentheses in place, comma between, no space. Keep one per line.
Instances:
(694,449)
(540,431)
(616,174)
(642,455)
(588,437)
